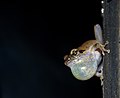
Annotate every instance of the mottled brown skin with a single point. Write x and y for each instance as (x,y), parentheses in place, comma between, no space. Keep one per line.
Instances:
(87,44)
(96,46)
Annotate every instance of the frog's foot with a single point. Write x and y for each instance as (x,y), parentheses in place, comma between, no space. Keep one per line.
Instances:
(102,48)
(101,77)
(99,73)
(106,50)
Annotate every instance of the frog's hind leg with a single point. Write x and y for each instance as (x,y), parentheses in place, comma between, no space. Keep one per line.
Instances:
(99,72)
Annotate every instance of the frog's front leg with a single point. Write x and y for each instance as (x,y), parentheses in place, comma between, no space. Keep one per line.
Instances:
(102,47)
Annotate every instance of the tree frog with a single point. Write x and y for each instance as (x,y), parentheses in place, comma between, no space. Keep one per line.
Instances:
(87,60)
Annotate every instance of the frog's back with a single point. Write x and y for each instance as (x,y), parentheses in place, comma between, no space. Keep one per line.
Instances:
(87,44)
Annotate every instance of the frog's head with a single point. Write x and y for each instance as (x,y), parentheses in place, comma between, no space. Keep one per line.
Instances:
(74,54)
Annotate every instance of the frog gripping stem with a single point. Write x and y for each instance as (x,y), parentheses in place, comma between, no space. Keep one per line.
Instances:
(84,65)
(102,47)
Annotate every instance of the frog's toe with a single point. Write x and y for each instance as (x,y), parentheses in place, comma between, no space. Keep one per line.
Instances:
(106,43)
(108,51)
(99,74)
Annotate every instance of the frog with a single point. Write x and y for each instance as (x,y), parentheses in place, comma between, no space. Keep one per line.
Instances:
(87,60)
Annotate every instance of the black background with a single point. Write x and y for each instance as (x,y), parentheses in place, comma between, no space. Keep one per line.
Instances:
(34,37)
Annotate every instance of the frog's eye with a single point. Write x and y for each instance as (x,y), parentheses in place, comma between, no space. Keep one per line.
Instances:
(81,51)
(73,52)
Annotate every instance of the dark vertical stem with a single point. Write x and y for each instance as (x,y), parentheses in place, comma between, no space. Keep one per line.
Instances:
(112,63)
